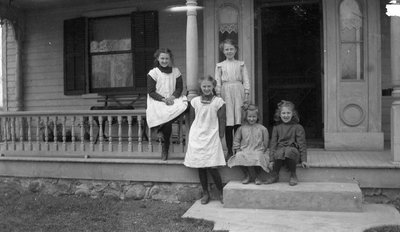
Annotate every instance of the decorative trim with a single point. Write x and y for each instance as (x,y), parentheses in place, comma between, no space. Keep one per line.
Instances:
(228,28)
(352,123)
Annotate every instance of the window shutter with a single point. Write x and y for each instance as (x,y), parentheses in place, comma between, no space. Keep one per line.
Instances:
(75,61)
(145,43)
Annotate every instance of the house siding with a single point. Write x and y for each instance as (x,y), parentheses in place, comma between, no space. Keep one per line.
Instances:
(42,58)
(9,69)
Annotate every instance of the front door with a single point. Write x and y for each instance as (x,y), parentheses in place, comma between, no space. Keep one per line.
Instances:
(291,62)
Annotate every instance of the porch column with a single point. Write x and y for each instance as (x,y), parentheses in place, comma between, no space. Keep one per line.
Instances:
(393,10)
(192,59)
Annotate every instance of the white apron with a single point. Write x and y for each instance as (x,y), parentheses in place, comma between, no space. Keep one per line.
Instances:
(157,112)
(204,146)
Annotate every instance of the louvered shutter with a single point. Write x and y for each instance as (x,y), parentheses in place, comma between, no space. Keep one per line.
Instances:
(75,59)
(144,44)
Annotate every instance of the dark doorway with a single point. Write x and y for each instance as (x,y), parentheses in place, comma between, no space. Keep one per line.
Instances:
(291,63)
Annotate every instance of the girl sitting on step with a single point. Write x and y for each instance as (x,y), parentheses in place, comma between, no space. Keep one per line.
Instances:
(250,147)
(204,150)
(288,143)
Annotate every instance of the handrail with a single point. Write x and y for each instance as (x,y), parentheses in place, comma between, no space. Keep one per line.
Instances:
(70,133)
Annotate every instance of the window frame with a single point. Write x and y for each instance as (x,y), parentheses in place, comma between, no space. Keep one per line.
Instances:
(77,71)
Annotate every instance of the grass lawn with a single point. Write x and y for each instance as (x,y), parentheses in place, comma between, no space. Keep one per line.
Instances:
(35,212)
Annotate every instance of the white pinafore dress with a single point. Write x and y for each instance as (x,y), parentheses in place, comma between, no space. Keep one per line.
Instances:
(158,112)
(204,146)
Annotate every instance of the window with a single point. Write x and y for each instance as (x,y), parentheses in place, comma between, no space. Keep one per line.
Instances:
(351,40)
(109,54)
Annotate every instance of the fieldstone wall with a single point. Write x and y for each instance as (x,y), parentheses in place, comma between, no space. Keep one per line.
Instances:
(127,190)
(382,196)
(124,190)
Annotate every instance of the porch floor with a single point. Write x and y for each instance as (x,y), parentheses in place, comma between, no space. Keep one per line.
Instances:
(352,159)
(318,158)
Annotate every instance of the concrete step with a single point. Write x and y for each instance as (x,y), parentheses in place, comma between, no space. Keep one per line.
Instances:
(306,196)
(261,220)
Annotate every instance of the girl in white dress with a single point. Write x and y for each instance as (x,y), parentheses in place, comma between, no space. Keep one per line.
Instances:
(164,100)
(204,150)
(233,86)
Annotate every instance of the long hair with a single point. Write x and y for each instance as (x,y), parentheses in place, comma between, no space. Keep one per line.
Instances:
(166,51)
(251,108)
(228,41)
(208,78)
(290,105)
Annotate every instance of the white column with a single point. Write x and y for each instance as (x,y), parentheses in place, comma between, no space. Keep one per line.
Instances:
(393,10)
(192,59)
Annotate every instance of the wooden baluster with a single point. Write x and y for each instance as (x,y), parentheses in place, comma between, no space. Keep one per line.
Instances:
(140,133)
(46,133)
(6,122)
(119,133)
(180,133)
(30,145)
(101,134)
(55,134)
(73,120)
(64,133)
(21,133)
(129,133)
(38,134)
(150,141)
(91,133)
(82,134)
(110,146)
(13,144)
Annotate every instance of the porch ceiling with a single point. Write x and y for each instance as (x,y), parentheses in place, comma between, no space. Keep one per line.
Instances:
(43,4)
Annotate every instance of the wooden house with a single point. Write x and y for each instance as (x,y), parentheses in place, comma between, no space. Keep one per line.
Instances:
(338,60)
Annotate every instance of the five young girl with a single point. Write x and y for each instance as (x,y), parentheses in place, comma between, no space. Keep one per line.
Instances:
(250,146)
(233,85)
(204,150)
(164,101)
(219,106)
(288,142)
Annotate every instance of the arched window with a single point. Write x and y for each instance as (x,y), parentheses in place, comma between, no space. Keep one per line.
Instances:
(228,26)
(351,40)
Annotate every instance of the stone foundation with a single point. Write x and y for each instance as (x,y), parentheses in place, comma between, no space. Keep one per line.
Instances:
(382,196)
(124,190)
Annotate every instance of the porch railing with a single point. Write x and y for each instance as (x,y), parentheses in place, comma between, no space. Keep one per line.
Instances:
(88,133)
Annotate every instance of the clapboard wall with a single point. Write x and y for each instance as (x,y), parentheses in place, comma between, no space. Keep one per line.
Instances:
(42,52)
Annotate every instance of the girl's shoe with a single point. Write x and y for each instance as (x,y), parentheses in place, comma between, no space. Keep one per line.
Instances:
(205,199)
(257,181)
(293,179)
(273,178)
(246,180)
(221,198)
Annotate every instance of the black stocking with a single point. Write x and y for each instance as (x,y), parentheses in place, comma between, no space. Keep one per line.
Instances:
(203,179)
(291,164)
(277,165)
(217,178)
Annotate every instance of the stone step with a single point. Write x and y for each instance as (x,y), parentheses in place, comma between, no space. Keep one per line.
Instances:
(307,196)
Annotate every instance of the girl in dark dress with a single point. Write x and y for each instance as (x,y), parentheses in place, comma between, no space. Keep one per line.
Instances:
(288,142)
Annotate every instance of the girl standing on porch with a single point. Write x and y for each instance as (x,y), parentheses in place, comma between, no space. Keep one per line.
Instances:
(164,101)
(250,146)
(233,86)
(204,150)
(288,142)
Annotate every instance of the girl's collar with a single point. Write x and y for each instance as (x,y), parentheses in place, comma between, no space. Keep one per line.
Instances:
(167,69)
(207,99)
